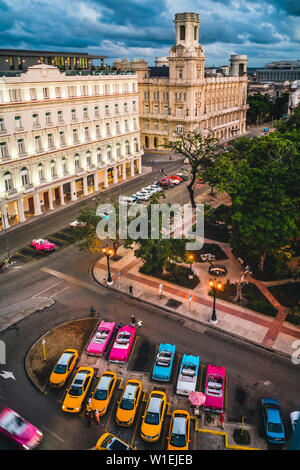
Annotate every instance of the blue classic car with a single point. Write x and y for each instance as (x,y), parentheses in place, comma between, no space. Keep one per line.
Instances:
(188,373)
(163,363)
(272,421)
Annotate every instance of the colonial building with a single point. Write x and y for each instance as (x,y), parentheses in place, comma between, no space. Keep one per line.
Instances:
(63,137)
(181,98)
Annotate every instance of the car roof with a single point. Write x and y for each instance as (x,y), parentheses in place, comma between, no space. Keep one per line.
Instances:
(179,424)
(154,404)
(104,382)
(273,415)
(129,391)
(64,359)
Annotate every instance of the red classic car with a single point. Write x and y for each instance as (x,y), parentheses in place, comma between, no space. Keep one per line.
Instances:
(42,245)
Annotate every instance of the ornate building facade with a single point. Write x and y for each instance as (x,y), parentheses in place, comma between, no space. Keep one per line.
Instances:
(64,136)
(180,98)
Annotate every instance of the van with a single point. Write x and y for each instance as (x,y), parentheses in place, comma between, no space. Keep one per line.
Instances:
(127,200)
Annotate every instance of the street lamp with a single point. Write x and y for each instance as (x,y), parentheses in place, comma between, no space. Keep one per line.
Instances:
(108,252)
(215,284)
(191,258)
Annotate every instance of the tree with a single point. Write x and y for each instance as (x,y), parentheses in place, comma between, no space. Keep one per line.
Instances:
(199,149)
(259,108)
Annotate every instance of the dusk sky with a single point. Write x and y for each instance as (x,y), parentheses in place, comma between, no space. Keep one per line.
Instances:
(266,31)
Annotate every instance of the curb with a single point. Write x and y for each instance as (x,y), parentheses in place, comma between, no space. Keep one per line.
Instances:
(207,325)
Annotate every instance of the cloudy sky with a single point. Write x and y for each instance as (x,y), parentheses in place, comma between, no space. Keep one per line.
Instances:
(265,30)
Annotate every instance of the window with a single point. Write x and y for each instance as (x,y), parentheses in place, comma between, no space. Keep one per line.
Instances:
(18,122)
(41,172)
(182,33)
(53,169)
(72,91)
(156,109)
(88,159)
(58,92)
(84,90)
(77,161)
(195,33)
(33,93)
(117,127)
(50,141)
(125,108)
(180,73)
(126,126)
(96,112)
(108,152)
(8,181)
(146,125)
(86,133)
(85,113)
(97,131)
(106,89)
(75,136)
(46,93)
(15,94)
(38,143)
(99,157)
(146,109)
(106,110)
(64,165)
(25,176)
(136,145)
(21,147)
(62,140)
(179,129)
(118,150)
(35,120)
(4,150)
(127,148)
(179,112)
(95,90)
(166,110)
(60,116)
(166,127)
(48,118)
(116,109)
(108,129)
(2,126)
(73,114)
(156,125)
(135,126)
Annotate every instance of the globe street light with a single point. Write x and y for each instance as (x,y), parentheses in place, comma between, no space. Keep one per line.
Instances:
(108,252)
(215,284)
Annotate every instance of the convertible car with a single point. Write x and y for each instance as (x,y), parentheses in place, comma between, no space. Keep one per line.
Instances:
(188,373)
(19,430)
(42,245)
(163,363)
(121,348)
(100,339)
(214,388)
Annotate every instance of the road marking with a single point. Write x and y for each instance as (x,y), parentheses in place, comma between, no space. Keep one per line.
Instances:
(52,433)
(48,288)
(59,291)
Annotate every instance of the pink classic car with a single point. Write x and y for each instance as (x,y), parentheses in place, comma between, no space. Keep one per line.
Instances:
(19,430)
(42,245)
(121,348)
(100,339)
(214,388)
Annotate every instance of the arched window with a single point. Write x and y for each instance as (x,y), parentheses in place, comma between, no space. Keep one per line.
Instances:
(136,145)
(108,152)
(64,165)
(25,176)
(41,171)
(8,181)
(118,150)
(77,161)
(99,157)
(53,168)
(182,33)
(195,33)
(146,141)
(127,148)
(88,159)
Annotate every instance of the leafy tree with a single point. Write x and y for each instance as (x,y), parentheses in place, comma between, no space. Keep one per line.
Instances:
(259,108)
(200,150)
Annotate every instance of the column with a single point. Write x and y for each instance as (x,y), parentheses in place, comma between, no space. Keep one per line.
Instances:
(73,191)
(85,186)
(140,165)
(124,171)
(132,167)
(21,210)
(96,182)
(37,204)
(50,197)
(4,216)
(115,174)
(105,179)
(61,195)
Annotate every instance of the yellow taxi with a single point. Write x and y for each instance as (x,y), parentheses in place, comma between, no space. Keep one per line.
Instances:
(110,442)
(179,434)
(78,389)
(153,417)
(103,392)
(128,403)
(63,368)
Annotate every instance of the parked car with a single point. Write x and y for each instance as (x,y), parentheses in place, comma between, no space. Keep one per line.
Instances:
(110,442)
(176,177)
(166,183)
(101,338)
(142,196)
(76,224)
(154,416)
(103,391)
(63,368)
(295,419)
(19,430)
(122,345)
(129,200)
(162,368)
(156,187)
(78,389)
(128,404)
(183,176)
(42,245)
(174,180)
(179,433)
(214,388)
(273,424)
(188,373)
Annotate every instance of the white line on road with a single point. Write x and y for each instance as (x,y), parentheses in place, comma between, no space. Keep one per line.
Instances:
(59,291)
(52,433)
(46,289)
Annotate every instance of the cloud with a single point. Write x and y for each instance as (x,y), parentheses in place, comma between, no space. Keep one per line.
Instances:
(268,29)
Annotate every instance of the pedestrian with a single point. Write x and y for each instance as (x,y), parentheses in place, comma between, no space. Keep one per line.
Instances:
(92,311)
(88,414)
(139,323)
(97,416)
(130,290)
(132,321)
(119,324)
(222,419)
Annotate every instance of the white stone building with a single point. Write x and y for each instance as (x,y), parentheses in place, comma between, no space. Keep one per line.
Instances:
(62,136)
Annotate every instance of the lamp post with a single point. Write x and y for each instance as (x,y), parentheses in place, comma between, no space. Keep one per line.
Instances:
(215,284)
(108,252)
(191,258)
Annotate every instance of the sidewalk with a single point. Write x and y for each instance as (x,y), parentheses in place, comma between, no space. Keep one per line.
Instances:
(247,324)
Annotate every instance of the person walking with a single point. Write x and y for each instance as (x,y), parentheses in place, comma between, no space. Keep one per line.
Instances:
(97,416)
(92,311)
(132,321)
(222,419)
(130,290)
(88,414)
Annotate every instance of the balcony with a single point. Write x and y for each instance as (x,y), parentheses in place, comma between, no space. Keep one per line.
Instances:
(79,171)
(61,122)
(18,130)
(36,126)
(39,151)
(28,188)
(12,193)
(3,131)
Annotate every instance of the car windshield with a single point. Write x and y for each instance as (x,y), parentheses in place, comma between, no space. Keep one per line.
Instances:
(188,369)
(275,428)
(60,368)
(127,404)
(75,390)
(13,424)
(100,394)
(152,418)
(112,443)
(178,440)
